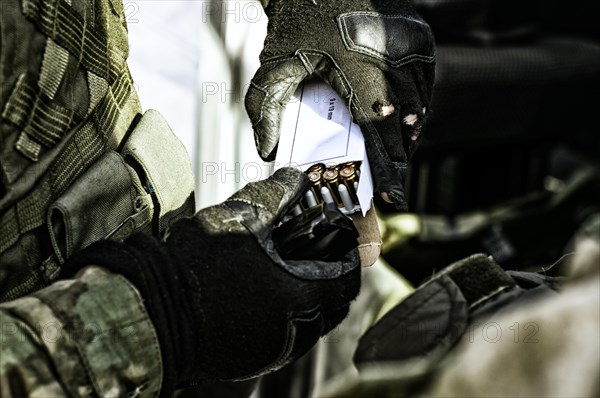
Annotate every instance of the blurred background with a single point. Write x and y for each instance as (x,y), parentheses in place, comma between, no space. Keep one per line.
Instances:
(508,162)
(193,61)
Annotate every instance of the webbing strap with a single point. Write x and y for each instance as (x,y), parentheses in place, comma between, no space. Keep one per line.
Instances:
(28,147)
(37,116)
(108,113)
(60,22)
(54,65)
(478,277)
(86,145)
(97,87)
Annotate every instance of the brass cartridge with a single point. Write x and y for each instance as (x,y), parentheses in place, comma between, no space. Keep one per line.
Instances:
(331,177)
(316,183)
(348,174)
(320,167)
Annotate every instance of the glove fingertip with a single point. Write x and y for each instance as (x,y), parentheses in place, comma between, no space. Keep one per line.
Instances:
(265,115)
(266,144)
(270,90)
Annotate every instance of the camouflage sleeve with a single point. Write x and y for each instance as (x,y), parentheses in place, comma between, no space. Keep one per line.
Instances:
(88,336)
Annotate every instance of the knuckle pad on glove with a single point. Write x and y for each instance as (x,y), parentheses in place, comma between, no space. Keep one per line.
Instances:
(393,39)
(275,193)
(264,194)
(359,47)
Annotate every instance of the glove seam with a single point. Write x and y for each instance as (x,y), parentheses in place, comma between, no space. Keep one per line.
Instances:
(277,59)
(266,93)
(304,59)
(309,51)
(248,202)
(260,115)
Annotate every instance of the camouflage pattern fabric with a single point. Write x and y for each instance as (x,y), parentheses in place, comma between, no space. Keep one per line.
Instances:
(88,336)
(66,99)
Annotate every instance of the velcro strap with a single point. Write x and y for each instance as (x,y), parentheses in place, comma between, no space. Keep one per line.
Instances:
(478,277)
(429,322)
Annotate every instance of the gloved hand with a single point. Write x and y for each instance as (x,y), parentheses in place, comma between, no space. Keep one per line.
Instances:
(378,55)
(224,304)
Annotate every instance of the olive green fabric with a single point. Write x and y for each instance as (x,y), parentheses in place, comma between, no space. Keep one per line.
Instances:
(67,105)
(66,98)
(89,336)
(111,200)
(165,164)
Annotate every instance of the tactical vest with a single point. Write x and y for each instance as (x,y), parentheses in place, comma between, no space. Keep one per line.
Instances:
(78,160)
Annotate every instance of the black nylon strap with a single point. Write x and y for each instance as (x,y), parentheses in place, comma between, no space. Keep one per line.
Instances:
(478,277)
(429,322)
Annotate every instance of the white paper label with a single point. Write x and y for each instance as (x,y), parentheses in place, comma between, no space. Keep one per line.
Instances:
(316,127)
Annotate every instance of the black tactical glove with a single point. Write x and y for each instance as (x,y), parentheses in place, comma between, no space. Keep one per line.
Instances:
(377,55)
(224,304)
